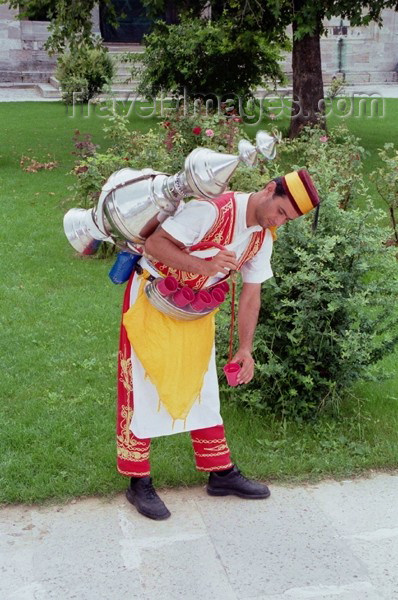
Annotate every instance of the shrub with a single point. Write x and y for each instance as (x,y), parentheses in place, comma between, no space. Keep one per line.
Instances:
(206,58)
(164,149)
(337,87)
(182,133)
(386,180)
(127,149)
(83,72)
(324,322)
(330,313)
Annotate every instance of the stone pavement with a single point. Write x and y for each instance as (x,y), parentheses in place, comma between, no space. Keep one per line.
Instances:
(329,541)
(18,94)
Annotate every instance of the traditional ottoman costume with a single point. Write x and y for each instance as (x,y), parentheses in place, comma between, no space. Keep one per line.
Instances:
(167,379)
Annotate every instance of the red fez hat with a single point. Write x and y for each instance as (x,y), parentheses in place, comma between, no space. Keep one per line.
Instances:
(301,191)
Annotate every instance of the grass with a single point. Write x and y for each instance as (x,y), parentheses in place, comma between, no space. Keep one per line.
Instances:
(58,346)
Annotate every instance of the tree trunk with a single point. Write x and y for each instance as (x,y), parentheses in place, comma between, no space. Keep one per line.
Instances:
(307,107)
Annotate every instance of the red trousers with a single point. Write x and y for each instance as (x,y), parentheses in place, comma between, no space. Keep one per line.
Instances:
(209,444)
(210,449)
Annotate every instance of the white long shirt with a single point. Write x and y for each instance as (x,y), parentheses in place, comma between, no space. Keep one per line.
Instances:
(189,225)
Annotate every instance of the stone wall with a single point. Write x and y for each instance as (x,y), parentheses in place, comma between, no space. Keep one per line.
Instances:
(368,54)
(22,56)
(10,39)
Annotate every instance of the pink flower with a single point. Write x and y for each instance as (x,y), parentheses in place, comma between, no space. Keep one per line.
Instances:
(237,119)
(323,138)
(209,133)
(272,116)
(197,130)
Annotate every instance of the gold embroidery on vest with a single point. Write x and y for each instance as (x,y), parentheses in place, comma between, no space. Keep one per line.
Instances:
(253,247)
(221,232)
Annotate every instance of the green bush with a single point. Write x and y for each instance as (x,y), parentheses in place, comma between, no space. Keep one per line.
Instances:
(127,149)
(206,58)
(329,314)
(83,72)
(182,133)
(163,149)
(386,181)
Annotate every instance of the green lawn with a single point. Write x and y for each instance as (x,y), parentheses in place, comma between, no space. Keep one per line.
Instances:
(58,345)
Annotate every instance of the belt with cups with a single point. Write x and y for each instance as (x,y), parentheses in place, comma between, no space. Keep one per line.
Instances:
(181,302)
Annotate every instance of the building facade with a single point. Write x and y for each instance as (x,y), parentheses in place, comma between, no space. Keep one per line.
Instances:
(362,54)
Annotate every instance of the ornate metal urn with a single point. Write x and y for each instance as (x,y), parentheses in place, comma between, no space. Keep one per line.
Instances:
(132,200)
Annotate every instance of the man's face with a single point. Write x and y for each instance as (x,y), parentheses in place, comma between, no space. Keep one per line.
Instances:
(274,211)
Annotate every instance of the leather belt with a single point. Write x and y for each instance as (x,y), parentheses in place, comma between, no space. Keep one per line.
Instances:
(140,271)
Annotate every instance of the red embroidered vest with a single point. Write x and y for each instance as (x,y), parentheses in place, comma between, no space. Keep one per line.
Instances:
(222,233)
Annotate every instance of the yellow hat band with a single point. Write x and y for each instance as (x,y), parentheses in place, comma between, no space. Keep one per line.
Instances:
(298,192)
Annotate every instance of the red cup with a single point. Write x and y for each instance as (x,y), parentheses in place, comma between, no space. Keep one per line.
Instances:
(231,371)
(223,286)
(167,286)
(183,296)
(202,301)
(217,297)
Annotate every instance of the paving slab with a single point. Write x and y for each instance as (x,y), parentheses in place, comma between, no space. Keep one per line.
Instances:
(366,517)
(329,541)
(286,543)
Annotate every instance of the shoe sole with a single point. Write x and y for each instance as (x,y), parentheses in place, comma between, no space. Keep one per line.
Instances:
(131,499)
(221,492)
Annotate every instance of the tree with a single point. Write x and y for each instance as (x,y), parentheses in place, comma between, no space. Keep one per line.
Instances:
(36,10)
(216,52)
(272,17)
(306,17)
(206,59)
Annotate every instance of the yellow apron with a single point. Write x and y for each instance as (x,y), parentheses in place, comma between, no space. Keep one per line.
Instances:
(175,354)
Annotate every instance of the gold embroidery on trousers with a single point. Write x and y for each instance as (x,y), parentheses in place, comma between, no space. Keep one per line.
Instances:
(125,378)
(220,441)
(211,454)
(133,473)
(218,448)
(130,455)
(215,468)
(127,447)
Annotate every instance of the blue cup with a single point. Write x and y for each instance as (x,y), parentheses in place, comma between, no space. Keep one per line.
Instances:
(123,267)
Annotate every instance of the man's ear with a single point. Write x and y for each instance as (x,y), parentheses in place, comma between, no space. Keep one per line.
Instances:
(270,187)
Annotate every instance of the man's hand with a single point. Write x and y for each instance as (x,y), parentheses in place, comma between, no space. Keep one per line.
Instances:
(162,246)
(223,262)
(245,359)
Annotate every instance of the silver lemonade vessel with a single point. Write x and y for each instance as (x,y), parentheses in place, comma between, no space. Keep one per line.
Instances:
(132,201)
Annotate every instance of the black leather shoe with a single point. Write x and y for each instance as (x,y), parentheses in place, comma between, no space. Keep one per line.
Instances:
(143,495)
(237,484)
